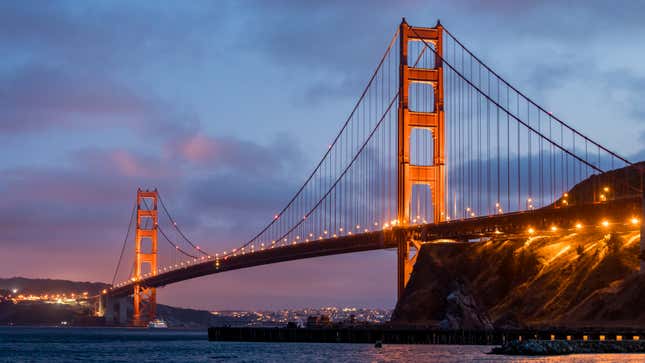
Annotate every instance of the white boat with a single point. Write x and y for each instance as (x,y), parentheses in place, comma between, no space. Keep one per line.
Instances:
(157,324)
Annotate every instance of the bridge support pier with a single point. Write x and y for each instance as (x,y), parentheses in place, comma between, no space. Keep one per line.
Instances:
(114,310)
(405,262)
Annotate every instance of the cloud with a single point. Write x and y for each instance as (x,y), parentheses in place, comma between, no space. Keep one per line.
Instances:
(38,98)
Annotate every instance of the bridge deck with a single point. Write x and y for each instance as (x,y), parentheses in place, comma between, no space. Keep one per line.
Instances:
(616,211)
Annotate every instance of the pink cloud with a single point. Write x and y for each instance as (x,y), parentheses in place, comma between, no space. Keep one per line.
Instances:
(198,148)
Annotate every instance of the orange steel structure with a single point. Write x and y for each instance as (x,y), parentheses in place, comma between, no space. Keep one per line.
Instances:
(408,175)
(145,298)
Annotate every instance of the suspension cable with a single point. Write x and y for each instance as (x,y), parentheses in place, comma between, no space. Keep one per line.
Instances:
(528,99)
(176,226)
(125,241)
(529,127)
(320,163)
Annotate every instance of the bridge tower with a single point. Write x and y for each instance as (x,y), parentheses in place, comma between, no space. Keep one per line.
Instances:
(408,175)
(145,298)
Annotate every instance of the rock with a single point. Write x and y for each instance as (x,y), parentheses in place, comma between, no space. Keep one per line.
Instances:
(463,312)
(563,347)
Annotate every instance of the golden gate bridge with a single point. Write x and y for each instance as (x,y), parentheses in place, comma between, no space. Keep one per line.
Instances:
(438,147)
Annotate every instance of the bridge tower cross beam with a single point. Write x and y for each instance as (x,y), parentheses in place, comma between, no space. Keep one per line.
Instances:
(145,298)
(434,121)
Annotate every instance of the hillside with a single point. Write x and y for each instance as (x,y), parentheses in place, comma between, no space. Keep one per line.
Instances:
(43,313)
(45,286)
(574,280)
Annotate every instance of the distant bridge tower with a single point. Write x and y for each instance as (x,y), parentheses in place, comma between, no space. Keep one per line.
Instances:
(145,245)
(408,175)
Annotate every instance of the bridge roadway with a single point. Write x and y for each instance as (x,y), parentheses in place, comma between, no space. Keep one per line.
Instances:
(615,211)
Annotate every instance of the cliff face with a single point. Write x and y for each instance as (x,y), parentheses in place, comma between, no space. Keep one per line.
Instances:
(573,280)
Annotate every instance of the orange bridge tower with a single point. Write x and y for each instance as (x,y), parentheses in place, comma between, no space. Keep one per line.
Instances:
(408,175)
(145,248)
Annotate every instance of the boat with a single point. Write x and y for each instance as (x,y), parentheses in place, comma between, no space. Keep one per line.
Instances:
(157,324)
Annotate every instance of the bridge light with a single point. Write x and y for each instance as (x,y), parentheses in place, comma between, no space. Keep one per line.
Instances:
(531,230)
(276,216)
(340,229)
(350,232)
(414,221)
(375,224)
(605,223)
(358,226)
(325,232)
(311,234)
(497,205)
(472,214)
(634,220)
(335,235)
(366,230)
(424,221)
(468,209)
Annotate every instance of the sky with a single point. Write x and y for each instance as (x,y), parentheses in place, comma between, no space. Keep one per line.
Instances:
(226,106)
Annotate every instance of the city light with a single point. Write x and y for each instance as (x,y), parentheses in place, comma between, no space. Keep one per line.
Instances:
(531,230)
(634,220)
(578,225)
(554,228)
(605,223)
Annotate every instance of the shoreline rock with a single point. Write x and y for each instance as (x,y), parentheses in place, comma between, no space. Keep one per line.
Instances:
(563,347)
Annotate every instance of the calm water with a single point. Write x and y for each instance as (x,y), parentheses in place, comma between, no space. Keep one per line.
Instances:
(18,344)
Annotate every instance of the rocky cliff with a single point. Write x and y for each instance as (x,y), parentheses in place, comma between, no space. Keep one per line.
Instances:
(585,278)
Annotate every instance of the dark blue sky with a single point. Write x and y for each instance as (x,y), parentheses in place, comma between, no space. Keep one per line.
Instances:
(226,106)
